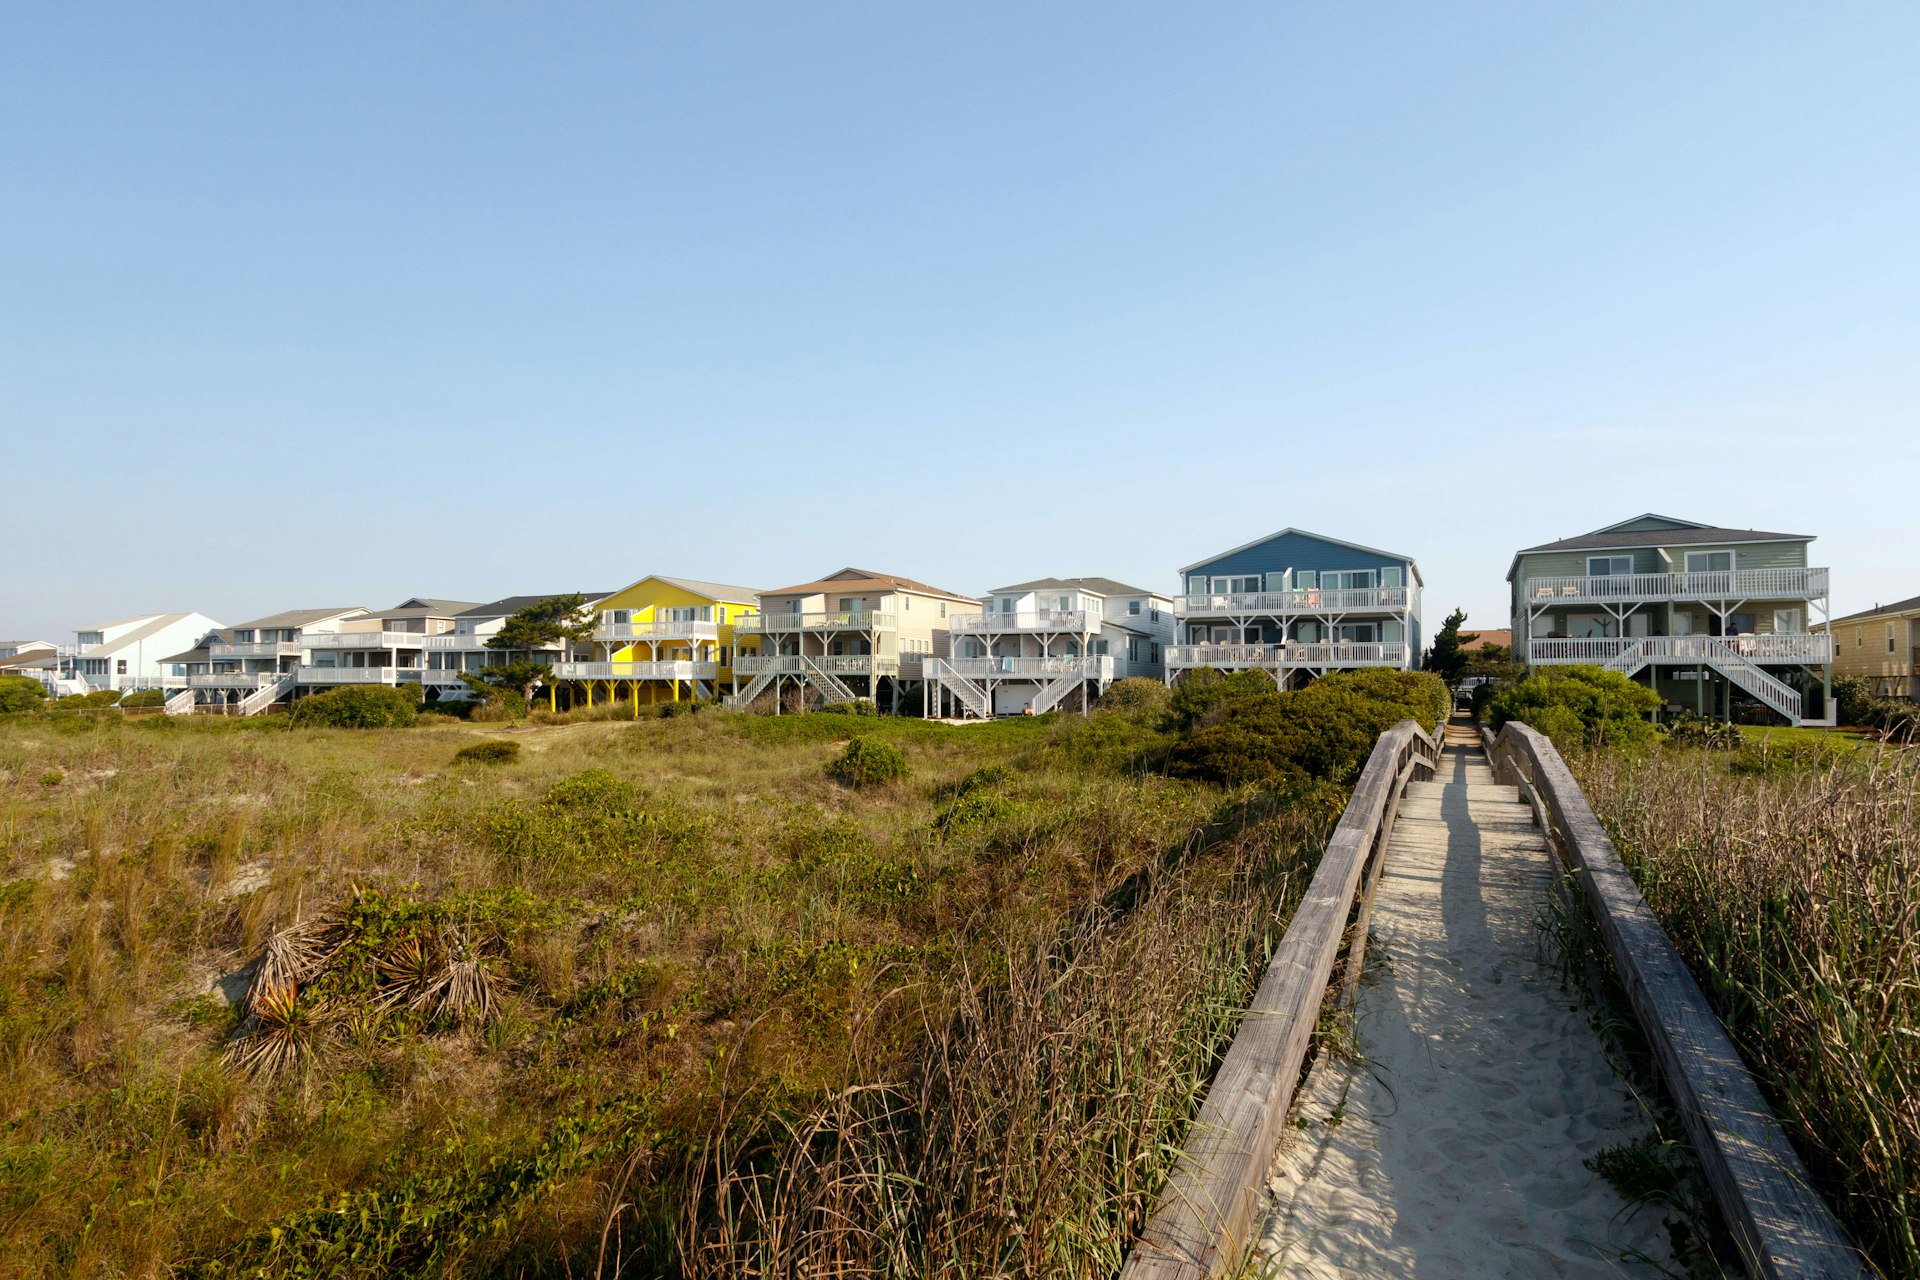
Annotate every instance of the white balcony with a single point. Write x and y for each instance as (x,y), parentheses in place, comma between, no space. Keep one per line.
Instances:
(1099,667)
(456,641)
(234,679)
(258,649)
(333,640)
(1652,588)
(858,664)
(636,670)
(1277,656)
(1813,648)
(771,623)
(1305,600)
(349,675)
(1065,620)
(628,632)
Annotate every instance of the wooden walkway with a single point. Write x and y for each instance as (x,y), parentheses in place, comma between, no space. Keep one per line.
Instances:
(1453,1145)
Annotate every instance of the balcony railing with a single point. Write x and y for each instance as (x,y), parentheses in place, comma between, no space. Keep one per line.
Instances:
(859,664)
(1717,584)
(1070,620)
(368,639)
(636,670)
(1299,600)
(766,623)
(1343,654)
(1787,646)
(622,632)
(349,675)
(1097,667)
(255,649)
(234,679)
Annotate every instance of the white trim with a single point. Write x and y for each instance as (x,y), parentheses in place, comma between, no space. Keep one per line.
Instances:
(1649,515)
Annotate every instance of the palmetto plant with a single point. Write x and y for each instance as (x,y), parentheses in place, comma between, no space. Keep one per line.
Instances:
(285,1033)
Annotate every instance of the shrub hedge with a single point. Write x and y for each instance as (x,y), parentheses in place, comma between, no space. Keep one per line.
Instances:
(359,707)
(1579,706)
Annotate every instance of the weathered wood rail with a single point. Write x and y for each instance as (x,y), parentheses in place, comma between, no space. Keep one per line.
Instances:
(1205,1217)
(1780,1224)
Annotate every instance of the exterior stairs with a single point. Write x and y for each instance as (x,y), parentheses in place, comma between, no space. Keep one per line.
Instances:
(181,703)
(831,687)
(972,697)
(265,696)
(1057,688)
(755,687)
(1714,652)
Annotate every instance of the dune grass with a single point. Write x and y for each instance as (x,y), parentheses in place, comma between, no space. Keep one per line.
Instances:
(649,998)
(1790,880)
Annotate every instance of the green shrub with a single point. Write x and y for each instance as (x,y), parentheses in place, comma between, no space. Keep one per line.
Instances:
(88,701)
(1579,706)
(493,751)
(1690,731)
(858,707)
(1862,708)
(1325,731)
(374,706)
(1138,699)
(18,693)
(453,708)
(1203,695)
(867,762)
(145,698)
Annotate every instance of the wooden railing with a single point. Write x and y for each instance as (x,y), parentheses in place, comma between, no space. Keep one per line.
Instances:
(255,649)
(1780,1225)
(364,639)
(1095,668)
(1299,600)
(690,630)
(1715,584)
(858,664)
(348,675)
(663,670)
(1204,1219)
(1777,646)
(764,623)
(1343,654)
(1074,620)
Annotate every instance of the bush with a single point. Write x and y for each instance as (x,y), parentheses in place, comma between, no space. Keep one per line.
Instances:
(867,762)
(1204,694)
(359,707)
(1689,730)
(452,708)
(1579,706)
(145,698)
(490,752)
(1138,699)
(88,701)
(1325,731)
(18,693)
(858,707)
(1862,708)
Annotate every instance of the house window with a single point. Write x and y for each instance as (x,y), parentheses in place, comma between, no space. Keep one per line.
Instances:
(726,656)
(1153,614)
(1391,576)
(1609,566)
(1197,585)
(723,613)
(1133,649)
(943,609)
(1786,621)
(123,666)
(120,667)
(1133,608)
(1859,637)
(1153,654)
(1709,561)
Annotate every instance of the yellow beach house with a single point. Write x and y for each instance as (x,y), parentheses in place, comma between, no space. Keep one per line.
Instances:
(660,640)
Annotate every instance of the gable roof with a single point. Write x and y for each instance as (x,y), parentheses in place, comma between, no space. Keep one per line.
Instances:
(296,618)
(1098,586)
(427,607)
(1317,537)
(155,622)
(508,605)
(202,652)
(1692,535)
(866,580)
(1674,522)
(1882,611)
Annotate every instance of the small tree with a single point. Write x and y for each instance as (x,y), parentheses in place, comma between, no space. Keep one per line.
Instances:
(545,622)
(1446,658)
(516,678)
(20,693)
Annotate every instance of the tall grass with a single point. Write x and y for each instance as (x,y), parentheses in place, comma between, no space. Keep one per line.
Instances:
(654,998)
(1791,883)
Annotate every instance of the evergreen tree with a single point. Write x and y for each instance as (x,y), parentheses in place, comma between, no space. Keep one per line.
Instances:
(1446,659)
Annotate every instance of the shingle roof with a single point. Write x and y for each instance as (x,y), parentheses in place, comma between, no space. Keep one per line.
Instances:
(155,622)
(865,579)
(200,652)
(1099,586)
(428,607)
(1881,610)
(514,604)
(1703,536)
(296,618)
(712,590)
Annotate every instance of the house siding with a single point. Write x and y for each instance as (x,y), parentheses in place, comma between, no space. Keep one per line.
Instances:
(1294,551)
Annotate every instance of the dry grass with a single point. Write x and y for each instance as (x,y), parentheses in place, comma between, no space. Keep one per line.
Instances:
(615,1007)
(1790,879)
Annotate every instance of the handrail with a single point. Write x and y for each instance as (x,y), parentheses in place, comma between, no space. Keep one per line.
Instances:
(1779,1223)
(1203,1221)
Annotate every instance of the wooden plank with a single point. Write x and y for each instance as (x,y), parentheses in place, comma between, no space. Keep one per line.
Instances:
(1780,1224)
(1204,1220)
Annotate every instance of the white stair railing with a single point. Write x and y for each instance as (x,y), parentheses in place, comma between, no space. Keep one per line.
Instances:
(181,703)
(1057,688)
(1756,680)
(831,687)
(265,696)
(755,687)
(971,696)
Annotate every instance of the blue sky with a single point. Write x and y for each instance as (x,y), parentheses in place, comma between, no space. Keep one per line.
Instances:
(343,304)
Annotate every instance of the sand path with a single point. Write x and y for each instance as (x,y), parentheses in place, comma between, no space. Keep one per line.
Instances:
(1454,1147)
